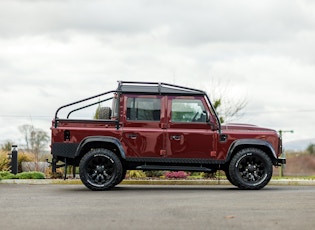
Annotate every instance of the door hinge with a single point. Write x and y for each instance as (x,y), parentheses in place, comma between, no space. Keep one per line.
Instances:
(163,126)
(213,153)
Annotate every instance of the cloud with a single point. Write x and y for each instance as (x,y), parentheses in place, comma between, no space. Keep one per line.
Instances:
(41,17)
(55,52)
(189,22)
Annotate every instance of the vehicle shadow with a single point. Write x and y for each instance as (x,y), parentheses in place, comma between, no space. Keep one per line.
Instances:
(170,188)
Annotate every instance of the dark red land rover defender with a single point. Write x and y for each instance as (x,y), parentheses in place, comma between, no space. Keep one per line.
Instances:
(159,126)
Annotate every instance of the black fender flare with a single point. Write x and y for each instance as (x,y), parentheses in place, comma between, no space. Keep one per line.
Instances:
(252,143)
(102,139)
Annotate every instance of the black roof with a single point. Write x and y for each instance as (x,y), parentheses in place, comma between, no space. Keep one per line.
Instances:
(156,88)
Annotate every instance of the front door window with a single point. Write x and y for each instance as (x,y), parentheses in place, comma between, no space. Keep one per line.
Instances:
(188,111)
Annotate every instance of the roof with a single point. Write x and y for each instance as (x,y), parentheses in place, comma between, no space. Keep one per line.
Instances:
(156,88)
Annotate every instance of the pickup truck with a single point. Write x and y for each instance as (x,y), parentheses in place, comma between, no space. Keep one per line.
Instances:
(159,126)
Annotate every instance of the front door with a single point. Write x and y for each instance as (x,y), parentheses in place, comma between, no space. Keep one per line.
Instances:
(189,135)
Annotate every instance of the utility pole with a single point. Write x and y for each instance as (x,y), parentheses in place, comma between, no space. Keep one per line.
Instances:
(283,152)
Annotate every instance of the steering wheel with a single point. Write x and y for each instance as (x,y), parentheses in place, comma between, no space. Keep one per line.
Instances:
(195,116)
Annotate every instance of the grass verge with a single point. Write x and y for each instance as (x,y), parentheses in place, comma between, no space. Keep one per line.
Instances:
(23,175)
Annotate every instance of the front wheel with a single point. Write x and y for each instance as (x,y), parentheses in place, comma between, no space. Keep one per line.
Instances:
(250,168)
(100,169)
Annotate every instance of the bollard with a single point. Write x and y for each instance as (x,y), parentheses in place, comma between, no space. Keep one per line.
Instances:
(14,159)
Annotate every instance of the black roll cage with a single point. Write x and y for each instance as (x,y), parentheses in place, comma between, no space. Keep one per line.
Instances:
(128,87)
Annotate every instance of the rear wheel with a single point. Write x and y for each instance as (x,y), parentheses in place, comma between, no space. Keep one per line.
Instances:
(250,168)
(227,174)
(122,177)
(100,169)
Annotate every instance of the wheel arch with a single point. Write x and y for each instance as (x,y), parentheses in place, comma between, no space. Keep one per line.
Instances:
(263,145)
(105,142)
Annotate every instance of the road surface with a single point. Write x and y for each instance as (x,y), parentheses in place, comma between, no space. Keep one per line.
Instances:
(156,207)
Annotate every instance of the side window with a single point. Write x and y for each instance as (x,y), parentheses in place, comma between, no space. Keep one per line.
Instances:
(188,110)
(143,109)
(115,107)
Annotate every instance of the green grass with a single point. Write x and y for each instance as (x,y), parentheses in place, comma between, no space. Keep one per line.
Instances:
(24,175)
(294,177)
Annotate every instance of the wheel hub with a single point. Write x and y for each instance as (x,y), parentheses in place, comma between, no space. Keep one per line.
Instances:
(100,173)
(100,168)
(251,168)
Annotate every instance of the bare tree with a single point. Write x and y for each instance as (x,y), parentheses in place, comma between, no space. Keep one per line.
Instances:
(36,140)
(228,108)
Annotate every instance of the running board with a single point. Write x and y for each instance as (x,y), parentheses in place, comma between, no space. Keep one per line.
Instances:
(175,168)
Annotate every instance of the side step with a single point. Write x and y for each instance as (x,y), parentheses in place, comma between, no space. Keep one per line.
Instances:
(175,168)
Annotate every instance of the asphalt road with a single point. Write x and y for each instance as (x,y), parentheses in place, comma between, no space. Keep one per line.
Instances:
(156,207)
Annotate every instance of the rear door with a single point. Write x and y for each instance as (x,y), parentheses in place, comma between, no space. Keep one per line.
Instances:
(188,133)
(143,135)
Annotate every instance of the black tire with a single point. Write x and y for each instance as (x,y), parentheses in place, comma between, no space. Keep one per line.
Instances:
(251,169)
(100,169)
(227,174)
(123,175)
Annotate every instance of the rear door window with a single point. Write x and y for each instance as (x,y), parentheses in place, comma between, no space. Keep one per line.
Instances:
(143,109)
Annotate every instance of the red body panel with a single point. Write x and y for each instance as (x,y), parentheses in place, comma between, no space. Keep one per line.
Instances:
(164,138)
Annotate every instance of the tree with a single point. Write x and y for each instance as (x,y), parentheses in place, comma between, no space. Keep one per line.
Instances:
(7,146)
(227,108)
(97,112)
(310,149)
(36,139)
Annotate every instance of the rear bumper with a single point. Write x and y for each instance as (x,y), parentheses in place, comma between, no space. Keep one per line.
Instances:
(280,161)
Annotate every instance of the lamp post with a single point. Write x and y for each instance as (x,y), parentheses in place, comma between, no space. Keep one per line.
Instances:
(283,153)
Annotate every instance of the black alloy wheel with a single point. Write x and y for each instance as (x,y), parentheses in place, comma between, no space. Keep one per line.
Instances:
(250,168)
(100,169)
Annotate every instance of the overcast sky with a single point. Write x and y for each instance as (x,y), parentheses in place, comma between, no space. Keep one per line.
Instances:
(55,52)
